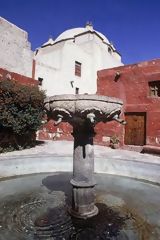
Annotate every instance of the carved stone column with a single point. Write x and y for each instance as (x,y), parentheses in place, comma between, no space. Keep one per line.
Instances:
(83,169)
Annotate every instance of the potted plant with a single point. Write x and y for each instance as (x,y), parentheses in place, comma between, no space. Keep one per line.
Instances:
(114,142)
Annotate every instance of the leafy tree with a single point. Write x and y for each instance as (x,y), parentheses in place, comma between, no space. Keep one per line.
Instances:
(21,113)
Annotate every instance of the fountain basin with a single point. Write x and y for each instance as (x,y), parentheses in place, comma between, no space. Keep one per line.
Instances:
(127,208)
(57,156)
(124,213)
(71,107)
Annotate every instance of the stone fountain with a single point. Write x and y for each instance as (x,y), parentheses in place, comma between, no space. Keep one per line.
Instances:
(35,206)
(83,112)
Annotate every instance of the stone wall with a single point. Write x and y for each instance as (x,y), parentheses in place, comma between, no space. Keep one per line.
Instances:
(16,54)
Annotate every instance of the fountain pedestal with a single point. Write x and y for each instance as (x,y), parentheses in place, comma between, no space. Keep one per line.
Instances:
(83,112)
(83,169)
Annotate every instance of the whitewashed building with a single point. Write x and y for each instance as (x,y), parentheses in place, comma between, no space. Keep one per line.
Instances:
(15,49)
(69,64)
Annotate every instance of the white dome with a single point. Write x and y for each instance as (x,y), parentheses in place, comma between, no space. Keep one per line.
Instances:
(71,33)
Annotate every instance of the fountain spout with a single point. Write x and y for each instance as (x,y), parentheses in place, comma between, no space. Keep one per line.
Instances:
(119,120)
(91,117)
(60,118)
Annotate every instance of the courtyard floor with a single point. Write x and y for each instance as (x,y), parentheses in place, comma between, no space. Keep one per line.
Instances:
(65,148)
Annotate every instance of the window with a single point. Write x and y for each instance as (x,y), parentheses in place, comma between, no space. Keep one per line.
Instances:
(40,80)
(154,88)
(78,68)
(77,90)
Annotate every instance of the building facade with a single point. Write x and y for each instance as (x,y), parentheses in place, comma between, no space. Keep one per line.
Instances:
(138,85)
(66,65)
(16,54)
(69,64)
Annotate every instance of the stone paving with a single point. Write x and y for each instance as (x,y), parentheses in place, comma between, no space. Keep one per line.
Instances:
(65,148)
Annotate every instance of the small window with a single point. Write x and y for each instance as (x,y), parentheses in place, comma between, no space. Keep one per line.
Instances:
(40,80)
(154,89)
(78,68)
(77,90)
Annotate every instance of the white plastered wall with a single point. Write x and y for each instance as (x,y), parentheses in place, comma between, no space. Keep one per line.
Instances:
(56,64)
(16,54)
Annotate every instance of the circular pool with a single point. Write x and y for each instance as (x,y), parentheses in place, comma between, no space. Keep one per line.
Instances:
(36,207)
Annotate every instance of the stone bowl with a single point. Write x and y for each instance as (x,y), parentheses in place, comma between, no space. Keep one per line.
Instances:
(69,107)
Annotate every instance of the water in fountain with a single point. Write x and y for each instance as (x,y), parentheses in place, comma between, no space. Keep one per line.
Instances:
(35,207)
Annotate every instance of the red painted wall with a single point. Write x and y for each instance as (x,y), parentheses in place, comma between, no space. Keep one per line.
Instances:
(50,132)
(19,78)
(132,87)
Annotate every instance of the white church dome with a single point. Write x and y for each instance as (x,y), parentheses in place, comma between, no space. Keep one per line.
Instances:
(71,33)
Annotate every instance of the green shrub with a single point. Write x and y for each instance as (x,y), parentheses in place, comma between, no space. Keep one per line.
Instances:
(21,113)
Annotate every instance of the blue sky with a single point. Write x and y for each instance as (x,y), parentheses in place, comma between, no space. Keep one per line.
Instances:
(132,25)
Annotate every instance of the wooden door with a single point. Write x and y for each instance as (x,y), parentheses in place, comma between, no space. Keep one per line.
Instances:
(135,129)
